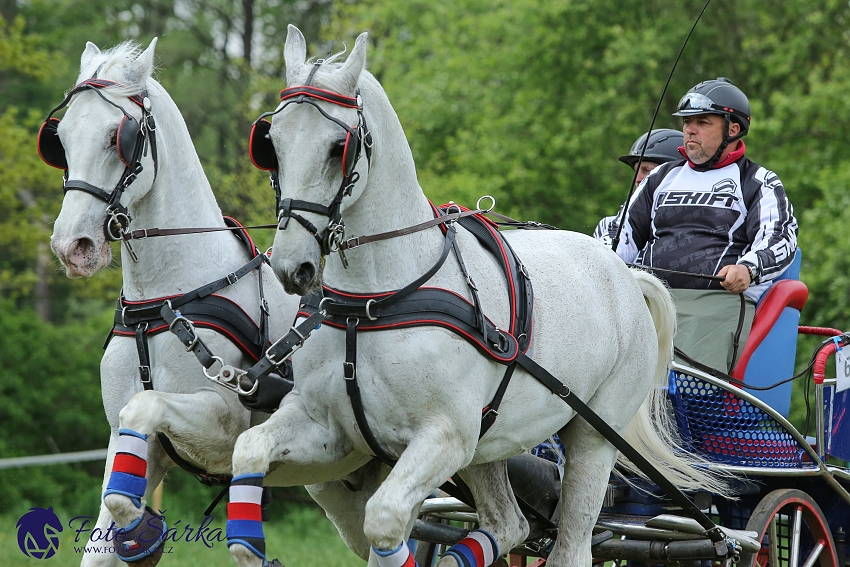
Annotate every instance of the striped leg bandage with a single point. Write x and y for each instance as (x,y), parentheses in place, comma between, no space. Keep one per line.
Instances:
(129,467)
(398,557)
(245,515)
(478,549)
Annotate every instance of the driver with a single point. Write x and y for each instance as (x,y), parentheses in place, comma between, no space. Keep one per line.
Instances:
(718,214)
(663,146)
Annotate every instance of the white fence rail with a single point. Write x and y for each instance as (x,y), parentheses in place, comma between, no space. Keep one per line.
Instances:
(55,459)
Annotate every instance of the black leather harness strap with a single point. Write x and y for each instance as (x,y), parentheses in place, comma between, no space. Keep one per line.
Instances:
(349,372)
(199,306)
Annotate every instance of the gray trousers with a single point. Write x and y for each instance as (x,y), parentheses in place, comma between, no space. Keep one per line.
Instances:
(707,322)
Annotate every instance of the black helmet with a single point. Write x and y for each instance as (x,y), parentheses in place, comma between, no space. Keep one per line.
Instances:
(663,146)
(717,96)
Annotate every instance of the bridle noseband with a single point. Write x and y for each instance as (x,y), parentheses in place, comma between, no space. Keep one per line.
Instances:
(333,234)
(131,143)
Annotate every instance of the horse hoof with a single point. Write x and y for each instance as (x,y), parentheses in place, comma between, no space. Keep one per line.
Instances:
(140,543)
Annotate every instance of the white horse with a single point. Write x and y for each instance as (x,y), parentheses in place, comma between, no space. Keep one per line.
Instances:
(202,419)
(601,328)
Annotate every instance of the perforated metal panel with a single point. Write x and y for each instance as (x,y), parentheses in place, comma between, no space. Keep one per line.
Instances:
(552,450)
(727,429)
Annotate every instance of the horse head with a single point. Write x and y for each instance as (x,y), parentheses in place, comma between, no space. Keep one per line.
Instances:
(319,135)
(104,144)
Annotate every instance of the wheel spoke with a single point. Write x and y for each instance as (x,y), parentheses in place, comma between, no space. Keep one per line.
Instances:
(794,559)
(813,556)
(773,543)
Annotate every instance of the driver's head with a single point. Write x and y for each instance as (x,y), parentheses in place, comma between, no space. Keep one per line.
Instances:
(662,146)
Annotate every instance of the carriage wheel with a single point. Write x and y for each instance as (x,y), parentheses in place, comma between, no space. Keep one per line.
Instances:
(793,531)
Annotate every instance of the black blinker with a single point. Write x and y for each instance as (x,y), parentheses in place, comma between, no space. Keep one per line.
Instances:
(127,139)
(50,147)
(260,146)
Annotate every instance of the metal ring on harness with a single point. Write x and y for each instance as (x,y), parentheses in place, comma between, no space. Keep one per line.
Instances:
(115,225)
(242,392)
(336,234)
(215,378)
(492,201)
(369,315)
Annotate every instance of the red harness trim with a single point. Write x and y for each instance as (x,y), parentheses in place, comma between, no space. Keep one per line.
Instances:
(494,230)
(209,325)
(321,94)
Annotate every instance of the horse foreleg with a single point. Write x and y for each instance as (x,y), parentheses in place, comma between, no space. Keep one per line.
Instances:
(500,519)
(305,452)
(589,461)
(192,421)
(433,454)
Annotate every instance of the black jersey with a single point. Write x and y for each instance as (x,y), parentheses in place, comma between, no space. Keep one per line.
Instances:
(697,222)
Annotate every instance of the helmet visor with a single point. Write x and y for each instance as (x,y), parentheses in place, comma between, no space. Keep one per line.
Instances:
(695,103)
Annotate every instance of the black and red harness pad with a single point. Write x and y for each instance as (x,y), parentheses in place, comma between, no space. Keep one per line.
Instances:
(442,307)
(214,312)
(208,311)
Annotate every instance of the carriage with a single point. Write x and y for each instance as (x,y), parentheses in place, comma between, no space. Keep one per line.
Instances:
(793,497)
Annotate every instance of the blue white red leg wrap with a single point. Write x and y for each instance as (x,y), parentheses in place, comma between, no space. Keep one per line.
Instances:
(478,549)
(142,538)
(398,557)
(245,515)
(130,466)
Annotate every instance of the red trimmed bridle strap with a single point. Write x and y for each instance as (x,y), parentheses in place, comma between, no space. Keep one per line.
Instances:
(321,94)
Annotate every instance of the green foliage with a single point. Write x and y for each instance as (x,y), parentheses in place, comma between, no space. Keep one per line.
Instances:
(50,399)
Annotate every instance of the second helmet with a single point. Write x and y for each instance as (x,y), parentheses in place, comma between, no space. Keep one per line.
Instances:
(663,146)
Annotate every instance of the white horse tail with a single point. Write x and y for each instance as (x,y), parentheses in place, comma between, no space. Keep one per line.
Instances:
(652,431)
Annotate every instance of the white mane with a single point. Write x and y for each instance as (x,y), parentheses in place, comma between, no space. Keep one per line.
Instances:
(116,64)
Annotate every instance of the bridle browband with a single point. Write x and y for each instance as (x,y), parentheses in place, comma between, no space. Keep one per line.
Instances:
(117,216)
(329,237)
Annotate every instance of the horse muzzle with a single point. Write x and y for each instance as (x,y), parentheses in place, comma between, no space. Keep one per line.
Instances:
(81,257)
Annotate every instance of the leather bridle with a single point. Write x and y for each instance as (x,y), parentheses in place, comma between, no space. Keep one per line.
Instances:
(117,222)
(330,237)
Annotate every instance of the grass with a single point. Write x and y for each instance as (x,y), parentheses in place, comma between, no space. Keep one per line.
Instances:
(301,535)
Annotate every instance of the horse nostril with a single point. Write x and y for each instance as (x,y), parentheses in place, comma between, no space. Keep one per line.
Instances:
(304,274)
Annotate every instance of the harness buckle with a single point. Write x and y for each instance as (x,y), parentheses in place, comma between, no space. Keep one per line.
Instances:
(523,270)
(352,242)
(502,345)
(470,283)
(349,371)
(368,314)
(232,278)
(265,306)
(145,374)
(190,328)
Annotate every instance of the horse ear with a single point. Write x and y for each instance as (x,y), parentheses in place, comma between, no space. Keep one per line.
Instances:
(294,52)
(89,54)
(142,68)
(356,62)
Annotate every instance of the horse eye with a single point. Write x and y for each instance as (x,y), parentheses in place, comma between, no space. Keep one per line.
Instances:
(112,138)
(337,149)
